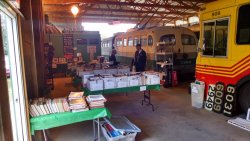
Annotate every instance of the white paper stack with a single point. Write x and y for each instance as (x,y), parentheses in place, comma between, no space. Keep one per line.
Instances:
(96,101)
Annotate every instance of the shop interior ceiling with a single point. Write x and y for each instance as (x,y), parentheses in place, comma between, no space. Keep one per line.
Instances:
(143,13)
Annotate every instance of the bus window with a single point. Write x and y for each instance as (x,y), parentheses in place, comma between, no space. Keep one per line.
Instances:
(136,41)
(215,38)
(118,42)
(168,38)
(150,40)
(130,41)
(107,44)
(187,39)
(243,27)
(221,34)
(208,41)
(124,42)
(144,41)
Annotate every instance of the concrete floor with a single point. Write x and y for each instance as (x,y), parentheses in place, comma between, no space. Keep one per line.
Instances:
(173,120)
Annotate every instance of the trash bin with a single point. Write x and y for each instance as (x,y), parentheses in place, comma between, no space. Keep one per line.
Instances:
(197,94)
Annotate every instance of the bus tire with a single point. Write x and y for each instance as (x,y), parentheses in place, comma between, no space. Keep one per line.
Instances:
(244,97)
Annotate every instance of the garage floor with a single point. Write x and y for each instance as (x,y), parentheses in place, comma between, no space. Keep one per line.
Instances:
(173,120)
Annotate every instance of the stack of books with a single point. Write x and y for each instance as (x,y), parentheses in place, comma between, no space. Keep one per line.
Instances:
(96,101)
(44,106)
(77,102)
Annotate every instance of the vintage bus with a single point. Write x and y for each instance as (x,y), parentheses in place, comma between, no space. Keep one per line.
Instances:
(224,54)
(184,47)
(107,46)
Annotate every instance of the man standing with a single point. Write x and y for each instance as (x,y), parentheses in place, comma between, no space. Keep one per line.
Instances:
(140,59)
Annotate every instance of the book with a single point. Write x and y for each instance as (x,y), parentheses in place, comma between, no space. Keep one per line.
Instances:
(55,106)
(59,104)
(75,95)
(31,112)
(65,104)
(48,103)
(80,110)
(45,106)
(92,98)
(40,105)
(34,107)
(80,101)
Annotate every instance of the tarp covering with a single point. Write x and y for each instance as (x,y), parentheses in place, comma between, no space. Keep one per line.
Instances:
(65,118)
(121,90)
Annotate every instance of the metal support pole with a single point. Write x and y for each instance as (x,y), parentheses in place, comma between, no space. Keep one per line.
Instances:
(98,129)
(94,129)
(44,135)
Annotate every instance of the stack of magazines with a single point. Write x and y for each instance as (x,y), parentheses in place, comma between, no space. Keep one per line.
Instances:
(77,102)
(96,101)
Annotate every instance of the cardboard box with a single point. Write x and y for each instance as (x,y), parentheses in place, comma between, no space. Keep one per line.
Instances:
(150,78)
(85,78)
(108,82)
(95,83)
(121,81)
(134,80)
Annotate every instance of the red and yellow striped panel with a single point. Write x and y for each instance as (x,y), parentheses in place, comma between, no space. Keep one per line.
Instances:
(228,75)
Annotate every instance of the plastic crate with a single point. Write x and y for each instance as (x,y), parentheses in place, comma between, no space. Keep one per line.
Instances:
(128,137)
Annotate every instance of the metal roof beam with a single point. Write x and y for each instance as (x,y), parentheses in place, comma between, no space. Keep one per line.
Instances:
(66,2)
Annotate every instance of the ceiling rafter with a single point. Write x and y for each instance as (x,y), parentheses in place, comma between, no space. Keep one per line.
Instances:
(66,2)
(140,12)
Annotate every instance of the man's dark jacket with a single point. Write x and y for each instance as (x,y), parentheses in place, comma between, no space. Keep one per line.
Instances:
(140,60)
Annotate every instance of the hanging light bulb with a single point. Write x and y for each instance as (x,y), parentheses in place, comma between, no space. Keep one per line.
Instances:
(74,10)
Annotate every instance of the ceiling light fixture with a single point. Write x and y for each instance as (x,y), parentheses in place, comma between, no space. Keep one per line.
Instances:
(74,10)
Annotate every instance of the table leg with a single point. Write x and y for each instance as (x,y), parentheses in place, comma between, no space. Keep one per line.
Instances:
(94,129)
(44,135)
(147,99)
(96,121)
(98,129)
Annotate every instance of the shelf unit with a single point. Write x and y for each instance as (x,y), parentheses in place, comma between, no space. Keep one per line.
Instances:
(165,61)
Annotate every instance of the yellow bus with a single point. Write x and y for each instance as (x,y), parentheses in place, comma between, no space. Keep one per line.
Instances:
(224,46)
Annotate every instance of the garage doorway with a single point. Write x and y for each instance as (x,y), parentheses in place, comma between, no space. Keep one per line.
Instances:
(15,95)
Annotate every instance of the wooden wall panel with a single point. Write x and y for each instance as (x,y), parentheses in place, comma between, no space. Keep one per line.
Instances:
(28,49)
(38,30)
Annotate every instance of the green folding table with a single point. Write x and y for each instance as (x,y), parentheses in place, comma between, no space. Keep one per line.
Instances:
(146,89)
(60,119)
